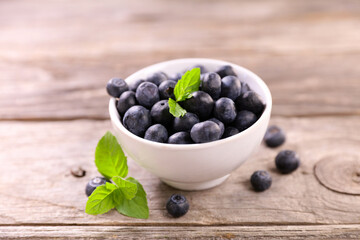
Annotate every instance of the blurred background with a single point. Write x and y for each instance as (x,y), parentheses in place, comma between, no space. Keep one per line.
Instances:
(56,56)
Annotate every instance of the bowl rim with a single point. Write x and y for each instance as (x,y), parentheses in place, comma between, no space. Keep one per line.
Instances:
(115,117)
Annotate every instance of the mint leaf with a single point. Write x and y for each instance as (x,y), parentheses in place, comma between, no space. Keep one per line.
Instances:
(127,188)
(189,83)
(175,109)
(110,158)
(136,207)
(102,199)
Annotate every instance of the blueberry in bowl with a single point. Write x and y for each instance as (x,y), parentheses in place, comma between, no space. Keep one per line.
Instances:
(191,132)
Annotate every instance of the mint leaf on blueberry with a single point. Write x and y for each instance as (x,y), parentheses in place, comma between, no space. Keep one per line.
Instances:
(189,83)
(136,207)
(110,158)
(126,195)
(127,188)
(175,109)
(102,199)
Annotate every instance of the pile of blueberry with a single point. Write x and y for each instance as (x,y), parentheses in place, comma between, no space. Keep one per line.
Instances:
(223,107)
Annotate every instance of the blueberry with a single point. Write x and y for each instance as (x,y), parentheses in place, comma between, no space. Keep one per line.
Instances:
(211,84)
(133,85)
(186,122)
(207,131)
(177,205)
(201,104)
(220,124)
(250,101)
(157,133)
(176,77)
(116,86)
(244,119)
(202,68)
(260,180)
(225,110)
(230,87)
(166,89)
(137,119)
(244,88)
(287,161)
(94,183)
(226,70)
(180,138)
(127,100)
(147,94)
(157,78)
(230,131)
(274,136)
(160,113)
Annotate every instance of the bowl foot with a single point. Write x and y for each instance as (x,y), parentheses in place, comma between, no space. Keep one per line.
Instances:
(196,185)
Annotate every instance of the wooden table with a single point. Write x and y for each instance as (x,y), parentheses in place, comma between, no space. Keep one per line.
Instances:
(56,57)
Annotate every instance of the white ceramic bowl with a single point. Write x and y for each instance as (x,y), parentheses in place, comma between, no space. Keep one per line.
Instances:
(194,166)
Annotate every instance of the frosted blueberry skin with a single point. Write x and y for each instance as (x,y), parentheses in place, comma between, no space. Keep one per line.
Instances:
(147,94)
(250,101)
(287,161)
(166,89)
(134,84)
(93,184)
(226,70)
(230,131)
(137,120)
(160,113)
(201,104)
(157,133)
(220,124)
(230,87)
(180,138)
(207,131)
(185,123)
(211,84)
(116,86)
(177,205)
(261,180)
(157,78)
(126,101)
(244,119)
(274,137)
(225,110)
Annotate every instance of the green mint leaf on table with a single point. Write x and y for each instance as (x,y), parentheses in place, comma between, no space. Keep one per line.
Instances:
(136,207)
(127,188)
(126,195)
(110,158)
(189,83)
(175,109)
(102,199)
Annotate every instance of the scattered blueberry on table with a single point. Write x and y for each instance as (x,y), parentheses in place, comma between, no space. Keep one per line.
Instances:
(177,205)
(287,161)
(274,136)
(261,180)
(94,183)
(186,105)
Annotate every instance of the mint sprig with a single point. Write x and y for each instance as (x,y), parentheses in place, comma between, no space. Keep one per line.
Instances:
(126,195)
(189,83)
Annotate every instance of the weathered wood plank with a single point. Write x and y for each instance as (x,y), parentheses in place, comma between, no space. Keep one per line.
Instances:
(36,187)
(153,232)
(307,51)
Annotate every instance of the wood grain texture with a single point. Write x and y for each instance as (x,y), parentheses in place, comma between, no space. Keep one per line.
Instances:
(307,52)
(334,232)
(37,187)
